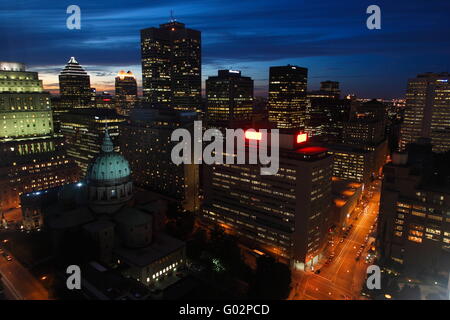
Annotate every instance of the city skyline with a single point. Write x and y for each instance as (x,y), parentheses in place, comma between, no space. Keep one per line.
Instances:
(330,39)
(224,151)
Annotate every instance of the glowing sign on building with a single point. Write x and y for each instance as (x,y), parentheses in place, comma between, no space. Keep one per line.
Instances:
(252,135)
(302,137)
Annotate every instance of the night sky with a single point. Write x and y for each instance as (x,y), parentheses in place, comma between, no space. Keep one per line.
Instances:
(329,37)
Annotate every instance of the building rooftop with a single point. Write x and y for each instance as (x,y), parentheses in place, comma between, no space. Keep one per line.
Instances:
(161,247)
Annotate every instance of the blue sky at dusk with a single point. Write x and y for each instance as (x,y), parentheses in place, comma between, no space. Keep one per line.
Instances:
(330,38)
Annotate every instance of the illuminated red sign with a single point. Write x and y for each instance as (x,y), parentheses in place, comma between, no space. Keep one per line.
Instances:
(302,137)
(252,135)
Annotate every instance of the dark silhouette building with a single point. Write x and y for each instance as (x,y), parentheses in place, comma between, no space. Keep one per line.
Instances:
(229,96)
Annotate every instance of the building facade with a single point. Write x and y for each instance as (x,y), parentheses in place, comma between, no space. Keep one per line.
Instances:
(126,94)
(75,86)
(427,112)
(83,130)
(33,156)
(287,96)
(414,218)
(171,66)
(145,139)
(285,215)
(229,96)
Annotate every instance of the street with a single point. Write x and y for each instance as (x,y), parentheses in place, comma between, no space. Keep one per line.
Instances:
(19,283)
(343,277)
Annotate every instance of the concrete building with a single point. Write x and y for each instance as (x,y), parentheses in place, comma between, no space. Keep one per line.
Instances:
(414,219)
(346,196)
(33,156)
(427,112)
(145,140)
(285,215)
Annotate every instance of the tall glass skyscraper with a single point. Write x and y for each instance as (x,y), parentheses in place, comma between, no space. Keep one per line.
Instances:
(75,86)
(171,66)
(287,96)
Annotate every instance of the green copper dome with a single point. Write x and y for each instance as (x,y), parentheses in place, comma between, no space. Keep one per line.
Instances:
(109,165)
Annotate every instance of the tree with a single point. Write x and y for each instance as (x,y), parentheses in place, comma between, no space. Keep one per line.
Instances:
(271,280)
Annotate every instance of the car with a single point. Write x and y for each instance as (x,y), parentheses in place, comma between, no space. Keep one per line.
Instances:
(9,258)
(317,271)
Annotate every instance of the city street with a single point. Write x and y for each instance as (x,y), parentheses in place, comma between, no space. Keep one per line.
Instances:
(344,276)
(19,283)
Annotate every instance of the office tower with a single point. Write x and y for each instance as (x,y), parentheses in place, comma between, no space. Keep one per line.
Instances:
(361,150)
(367,125)
(33,157)
(287,96)
(414,218)
(171,66)
(145,140)
(75,86)
(285,215)
(331,87)
(229,96)
(352,163)
(83,130)
(427,111)
(126,94)
(326,117)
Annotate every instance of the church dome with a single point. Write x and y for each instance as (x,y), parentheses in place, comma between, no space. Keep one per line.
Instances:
(109,165)
(109,180)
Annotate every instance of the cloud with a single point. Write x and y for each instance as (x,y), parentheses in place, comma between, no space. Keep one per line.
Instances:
(246,33)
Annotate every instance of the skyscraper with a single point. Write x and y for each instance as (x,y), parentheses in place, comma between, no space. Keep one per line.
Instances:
(287,96)
(75,86)
(414,219)
(126,92)
(427,111)
(171,66)
(367,125)
(331,87)
(229,96)
(326,116)
(145,140)
(33,157)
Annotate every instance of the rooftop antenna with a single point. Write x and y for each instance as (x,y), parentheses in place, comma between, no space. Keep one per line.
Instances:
(172,19)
